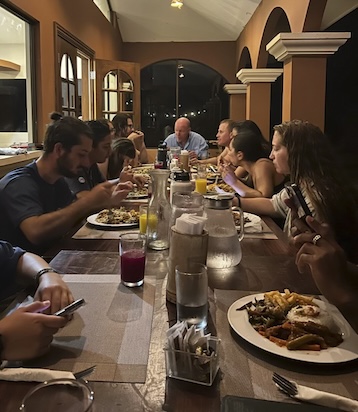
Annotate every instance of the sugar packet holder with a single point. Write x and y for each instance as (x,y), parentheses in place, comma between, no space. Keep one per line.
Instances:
(190,355)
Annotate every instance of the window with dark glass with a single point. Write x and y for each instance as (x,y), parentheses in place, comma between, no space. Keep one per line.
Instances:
(177,88)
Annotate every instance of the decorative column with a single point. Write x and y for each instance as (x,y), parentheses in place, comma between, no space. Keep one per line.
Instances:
(258,97)
(304,58)
(237,94)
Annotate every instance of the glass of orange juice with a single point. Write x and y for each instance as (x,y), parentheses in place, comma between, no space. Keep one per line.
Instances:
(201,182)
(143,212)
(146,218)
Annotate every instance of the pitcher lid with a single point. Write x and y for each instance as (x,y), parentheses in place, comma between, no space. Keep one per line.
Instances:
(219,200)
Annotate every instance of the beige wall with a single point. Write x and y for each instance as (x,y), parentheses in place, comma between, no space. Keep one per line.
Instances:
(84,20)
(220,56)
(303,15)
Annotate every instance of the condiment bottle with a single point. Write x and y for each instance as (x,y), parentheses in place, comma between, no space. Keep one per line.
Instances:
(180,183)
(161,161)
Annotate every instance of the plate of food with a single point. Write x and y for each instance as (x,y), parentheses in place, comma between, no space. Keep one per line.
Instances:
(142,170)
(138,193)
(294,326)
(115,218)
(223,187)
(251,222)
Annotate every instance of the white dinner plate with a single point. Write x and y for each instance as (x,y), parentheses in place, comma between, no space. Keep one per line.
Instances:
(255,222)
(345,352)
(92,220)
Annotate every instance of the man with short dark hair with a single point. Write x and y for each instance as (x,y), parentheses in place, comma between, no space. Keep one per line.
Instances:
(224,136)
(88,177)
(36,204)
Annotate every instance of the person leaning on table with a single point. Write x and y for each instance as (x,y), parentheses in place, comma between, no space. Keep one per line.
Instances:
(36,204)
(27,333)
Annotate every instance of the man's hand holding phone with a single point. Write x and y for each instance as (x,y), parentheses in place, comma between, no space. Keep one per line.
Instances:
(68,310)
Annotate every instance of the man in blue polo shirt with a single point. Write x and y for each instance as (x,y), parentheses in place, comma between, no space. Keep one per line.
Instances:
(188,140)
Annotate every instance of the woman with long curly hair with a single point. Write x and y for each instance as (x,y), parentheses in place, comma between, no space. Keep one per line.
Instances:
(300,150)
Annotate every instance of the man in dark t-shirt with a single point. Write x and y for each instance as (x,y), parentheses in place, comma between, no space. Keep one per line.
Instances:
(89,177)
(36,205)
(23,194)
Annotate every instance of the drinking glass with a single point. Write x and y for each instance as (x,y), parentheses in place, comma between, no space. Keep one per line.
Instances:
(143,211)
(59,395)
(132,248)
(201,181)
(191,281)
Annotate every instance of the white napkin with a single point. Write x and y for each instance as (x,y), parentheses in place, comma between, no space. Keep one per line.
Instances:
(33,374)
(255,224)
(326,399)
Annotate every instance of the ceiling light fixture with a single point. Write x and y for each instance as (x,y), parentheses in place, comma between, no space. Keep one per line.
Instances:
(177,3)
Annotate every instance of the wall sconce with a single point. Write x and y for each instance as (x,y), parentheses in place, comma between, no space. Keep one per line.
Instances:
(177,3)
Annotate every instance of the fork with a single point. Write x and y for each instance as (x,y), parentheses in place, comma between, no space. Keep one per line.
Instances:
(285,385)
(85,372)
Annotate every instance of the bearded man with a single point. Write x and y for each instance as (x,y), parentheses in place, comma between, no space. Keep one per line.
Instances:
(36,204)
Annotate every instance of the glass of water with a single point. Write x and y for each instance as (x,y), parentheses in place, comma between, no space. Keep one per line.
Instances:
(191,281)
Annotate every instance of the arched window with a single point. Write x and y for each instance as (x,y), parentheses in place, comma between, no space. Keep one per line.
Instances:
(68,87)
(176,88)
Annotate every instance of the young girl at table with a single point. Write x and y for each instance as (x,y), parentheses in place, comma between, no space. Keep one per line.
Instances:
(122,154)
(248,152)
(301,151)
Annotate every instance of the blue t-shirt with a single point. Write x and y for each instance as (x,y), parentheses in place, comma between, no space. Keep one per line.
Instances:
(195,143)
(87,179)
(23,194)
(9,257)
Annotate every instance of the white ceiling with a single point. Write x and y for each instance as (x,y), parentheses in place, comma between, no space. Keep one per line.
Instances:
(198,20)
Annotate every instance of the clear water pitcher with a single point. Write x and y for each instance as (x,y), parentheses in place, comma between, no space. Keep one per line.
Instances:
(224,250)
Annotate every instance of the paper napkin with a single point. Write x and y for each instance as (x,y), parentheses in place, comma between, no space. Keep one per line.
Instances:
(331,400)
(33,374)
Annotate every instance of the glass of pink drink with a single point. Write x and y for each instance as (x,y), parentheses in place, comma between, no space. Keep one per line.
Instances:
(132,248)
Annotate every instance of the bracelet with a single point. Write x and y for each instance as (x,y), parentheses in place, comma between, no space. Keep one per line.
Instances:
(238,197)
(42,272)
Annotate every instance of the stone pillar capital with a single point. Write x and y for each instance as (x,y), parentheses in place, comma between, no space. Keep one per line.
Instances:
(235,88)
(286,45)
(248,76)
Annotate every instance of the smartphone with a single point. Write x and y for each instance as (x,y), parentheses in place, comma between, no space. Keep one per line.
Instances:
(296,195)
(68,310)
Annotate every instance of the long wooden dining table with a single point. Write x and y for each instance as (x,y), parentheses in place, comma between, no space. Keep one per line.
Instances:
(245,370)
